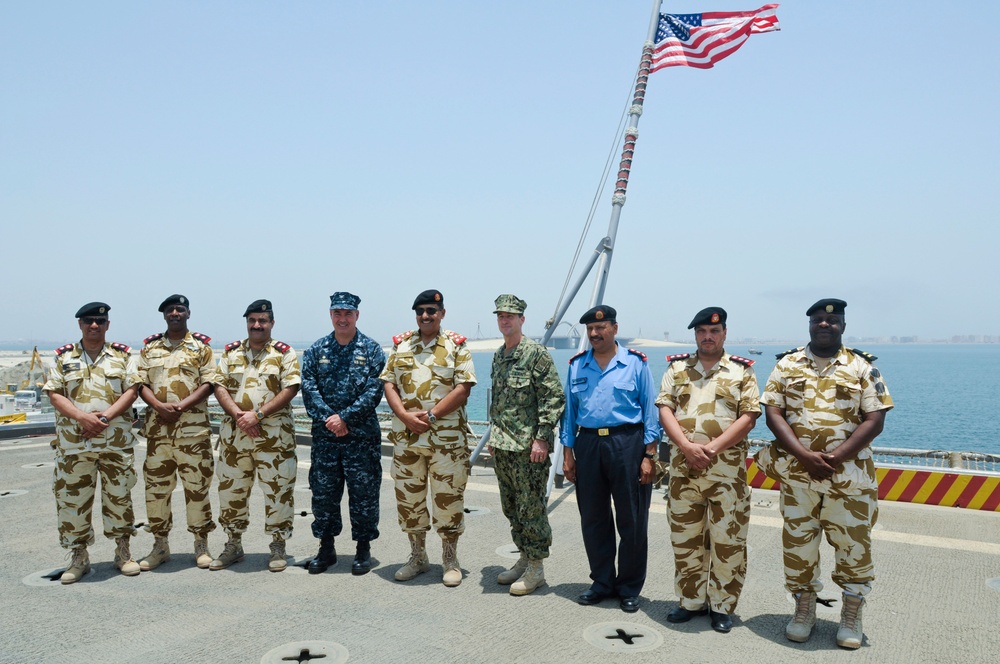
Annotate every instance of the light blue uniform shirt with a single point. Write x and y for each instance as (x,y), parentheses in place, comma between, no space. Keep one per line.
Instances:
(621,394)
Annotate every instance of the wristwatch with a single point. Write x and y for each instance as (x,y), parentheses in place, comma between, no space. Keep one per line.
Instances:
(103,419)
(259,415)
(649,456)
(431,418)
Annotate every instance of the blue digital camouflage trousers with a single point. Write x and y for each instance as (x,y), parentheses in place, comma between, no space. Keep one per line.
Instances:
(74,485)
(522,496)
(352,461)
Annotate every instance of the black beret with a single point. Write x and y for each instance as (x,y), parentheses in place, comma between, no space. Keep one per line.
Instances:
(429,297)
(259,307)
(174,299)
(93,309)
(601,313)
(830,305)
(709,316)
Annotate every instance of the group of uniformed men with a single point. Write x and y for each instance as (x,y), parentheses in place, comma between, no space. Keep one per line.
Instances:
(824,403)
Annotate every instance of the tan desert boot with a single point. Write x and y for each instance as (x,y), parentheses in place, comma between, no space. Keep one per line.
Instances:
(851,632)
(78,566)
(449,560)
(202,557)
(278,562)
(232,553)
(533,578)
(418,562)
(509,576)
(123,558)
(800,628)
(159,555)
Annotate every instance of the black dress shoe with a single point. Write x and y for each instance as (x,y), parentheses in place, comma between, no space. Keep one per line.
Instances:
(326,557)
(630,604)
(362,560)
(721,622)
(592,597)
(682,615)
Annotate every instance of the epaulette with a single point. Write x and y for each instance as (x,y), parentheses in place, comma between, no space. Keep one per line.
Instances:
(741,360)
(282,347)
(678,357)
(580,354)
(788,352)
(122,347)
(235,344)
(400,338)
(456,337)
(862,354)
(64,349)
(203,338)
(639,353)
(152,337)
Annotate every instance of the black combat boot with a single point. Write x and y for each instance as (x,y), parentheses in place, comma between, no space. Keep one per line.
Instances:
(363,559)
(327,556)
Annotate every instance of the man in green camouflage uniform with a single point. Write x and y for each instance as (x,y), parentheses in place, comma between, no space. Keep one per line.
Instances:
(528,402)
(258,377)
(825,403)
(428,378)
(92,389)
(177,372)
(708,403)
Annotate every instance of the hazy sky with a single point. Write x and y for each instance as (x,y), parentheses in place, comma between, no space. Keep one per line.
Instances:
(236,150)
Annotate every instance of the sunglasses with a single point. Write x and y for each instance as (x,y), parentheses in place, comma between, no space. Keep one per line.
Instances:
(90,320)
(430,311)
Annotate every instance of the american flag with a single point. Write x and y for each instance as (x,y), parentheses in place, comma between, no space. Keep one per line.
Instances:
(701,40)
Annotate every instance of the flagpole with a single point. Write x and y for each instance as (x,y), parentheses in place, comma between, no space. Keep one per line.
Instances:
(605,249)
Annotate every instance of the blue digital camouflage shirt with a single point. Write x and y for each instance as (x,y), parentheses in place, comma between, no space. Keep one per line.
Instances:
(343,380)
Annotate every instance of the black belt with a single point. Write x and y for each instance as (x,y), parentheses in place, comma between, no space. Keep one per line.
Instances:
(608,431)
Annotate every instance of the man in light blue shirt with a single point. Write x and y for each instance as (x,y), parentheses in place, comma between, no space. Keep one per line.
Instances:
(611,431)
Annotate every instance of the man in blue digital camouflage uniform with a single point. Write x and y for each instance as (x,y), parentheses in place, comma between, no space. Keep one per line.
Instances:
(341,388)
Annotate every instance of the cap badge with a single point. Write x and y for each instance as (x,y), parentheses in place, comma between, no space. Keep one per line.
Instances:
(598,315)
(715,318)
(829,308)
(437,297)
(100,310)
(263,307)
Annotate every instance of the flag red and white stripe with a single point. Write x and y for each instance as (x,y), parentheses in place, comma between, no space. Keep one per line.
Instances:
(701,40)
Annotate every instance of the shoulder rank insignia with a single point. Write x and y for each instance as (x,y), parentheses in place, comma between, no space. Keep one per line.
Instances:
(400,338)
(122,347)
(456,337)
(203,338)
(678,357)
(863,355)
(578,355)
(788,352)
(151,338)
(64,349)
(741,360)
(235,344)
(639,353)
(282,347)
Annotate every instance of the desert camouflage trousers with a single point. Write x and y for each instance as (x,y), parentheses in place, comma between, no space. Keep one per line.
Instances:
(522,496)
(274,470)
(709,521)
(191,458)
(74,485)
(847,522)
(443,470)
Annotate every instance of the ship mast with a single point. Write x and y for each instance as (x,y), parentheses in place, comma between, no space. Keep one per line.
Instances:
(605,248)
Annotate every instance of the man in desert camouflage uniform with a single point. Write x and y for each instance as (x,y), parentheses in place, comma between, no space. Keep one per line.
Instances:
(92,389)
(177,372)
(825,403)
(527,403)
(258,377)
(428,378)
(341,389)
(708,403)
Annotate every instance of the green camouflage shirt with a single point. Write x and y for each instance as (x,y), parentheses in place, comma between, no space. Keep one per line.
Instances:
(823,408)
(528,398)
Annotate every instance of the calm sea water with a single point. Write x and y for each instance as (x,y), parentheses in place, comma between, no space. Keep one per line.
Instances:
(946,395)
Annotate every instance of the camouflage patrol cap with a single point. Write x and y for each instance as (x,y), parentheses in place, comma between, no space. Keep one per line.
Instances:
(602,313)
(174,299)
(830,305)
(259,307)
(344,300)
(93,309)
(510,304)
(709,316)
(429,297)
